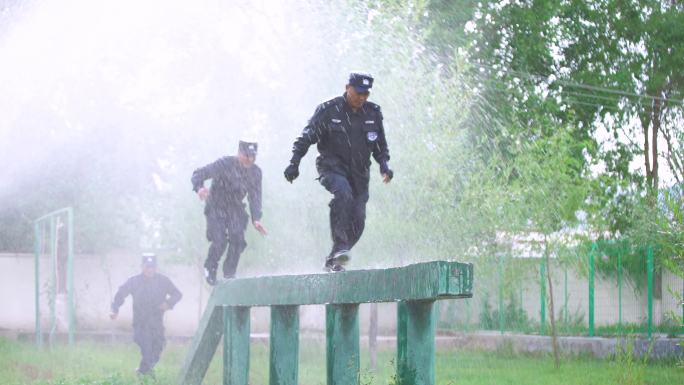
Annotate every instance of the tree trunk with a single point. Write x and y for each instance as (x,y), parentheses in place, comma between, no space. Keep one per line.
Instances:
(655,128)
(554,338)
(647,152)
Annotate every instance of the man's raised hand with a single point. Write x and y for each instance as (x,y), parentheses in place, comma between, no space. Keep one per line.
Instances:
(291,172)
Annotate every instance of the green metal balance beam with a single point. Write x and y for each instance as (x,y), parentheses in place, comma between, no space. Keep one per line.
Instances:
(414,284)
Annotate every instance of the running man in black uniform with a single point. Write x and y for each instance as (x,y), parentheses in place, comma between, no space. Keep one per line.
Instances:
(153,294)
(233,178)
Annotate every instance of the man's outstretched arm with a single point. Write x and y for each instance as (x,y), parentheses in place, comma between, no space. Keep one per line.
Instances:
(310,135)
(203,173)
(173,296)
(254,198)
(381,152)
(120,297)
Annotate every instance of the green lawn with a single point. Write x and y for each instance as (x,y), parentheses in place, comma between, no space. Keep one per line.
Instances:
(94,364)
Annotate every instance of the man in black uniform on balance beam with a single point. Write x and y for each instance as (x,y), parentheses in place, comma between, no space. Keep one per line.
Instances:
(347,130)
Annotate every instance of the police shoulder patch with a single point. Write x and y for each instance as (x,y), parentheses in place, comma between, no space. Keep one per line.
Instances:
(332,102)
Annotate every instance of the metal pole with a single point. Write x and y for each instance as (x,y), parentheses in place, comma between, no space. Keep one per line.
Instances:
(53,284)
(649,271)
(682,305)
(591,290)
(469,313)
(70,276)
(37,249)
(501,294)
(565,303)
(52,214)
(619,276)
(521,304)
(542,290)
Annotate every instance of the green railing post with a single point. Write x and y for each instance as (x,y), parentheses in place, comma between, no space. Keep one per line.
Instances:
(416,343)
(50,222)
(591,289)
(236,345)
(565,302)
(542,294)
(70,275)
(53,285)
(619,277)
(501,296)
(649,272)
(284,353)
(469,314)
(38,246)
(342,344)
(521,305)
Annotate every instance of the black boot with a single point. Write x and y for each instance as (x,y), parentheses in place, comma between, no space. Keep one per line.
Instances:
(332,267)
(341,257)
(336,261)
(210,276)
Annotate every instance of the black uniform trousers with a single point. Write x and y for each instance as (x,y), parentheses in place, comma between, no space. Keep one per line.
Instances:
(226,230)
(150,339)
(347,209)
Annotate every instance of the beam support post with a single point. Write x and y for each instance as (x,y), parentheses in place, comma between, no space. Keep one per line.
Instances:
(284,345)
(416,342)
(236,345)
(342,344)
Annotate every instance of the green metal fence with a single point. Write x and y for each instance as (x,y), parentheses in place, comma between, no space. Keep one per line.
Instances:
(594,295)
(60,281)
(415,288)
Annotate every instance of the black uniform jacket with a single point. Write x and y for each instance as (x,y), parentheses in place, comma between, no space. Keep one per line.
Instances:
(345,139)
(148,295)
(230,184)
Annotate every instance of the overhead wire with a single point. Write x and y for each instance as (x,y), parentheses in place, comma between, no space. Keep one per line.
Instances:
(591,87)
(502,85)
(615,99)
(569,97)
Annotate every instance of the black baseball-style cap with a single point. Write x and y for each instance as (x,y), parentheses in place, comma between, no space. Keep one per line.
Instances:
(361,81)
(149,260)
(248,148)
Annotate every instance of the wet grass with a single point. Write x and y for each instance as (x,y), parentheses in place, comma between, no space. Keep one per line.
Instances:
(94,364)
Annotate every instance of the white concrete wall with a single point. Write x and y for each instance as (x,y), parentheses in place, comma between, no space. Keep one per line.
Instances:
(96,279)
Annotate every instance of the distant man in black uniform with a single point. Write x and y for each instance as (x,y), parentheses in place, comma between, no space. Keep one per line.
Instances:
(153,294)
(347,129)
(232,177)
